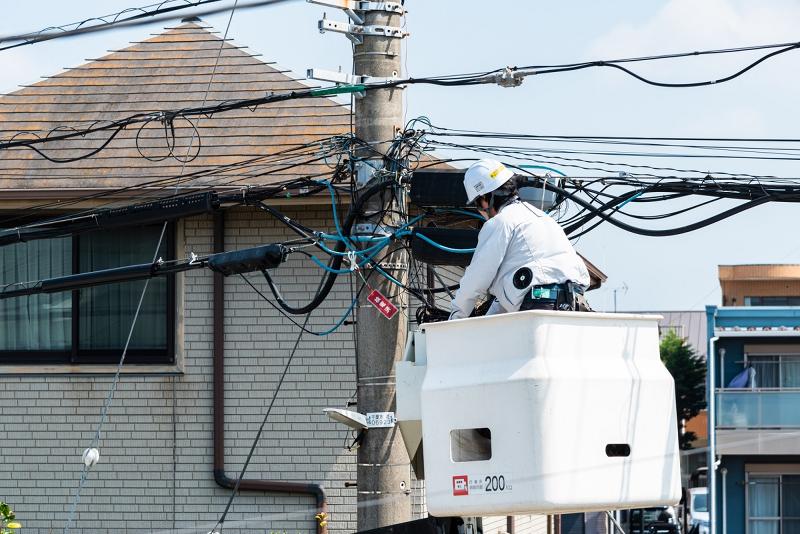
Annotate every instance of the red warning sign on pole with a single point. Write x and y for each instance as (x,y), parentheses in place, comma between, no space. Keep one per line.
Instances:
(383,304)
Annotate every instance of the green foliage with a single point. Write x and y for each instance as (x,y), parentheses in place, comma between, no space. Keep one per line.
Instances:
(7,519)
(689,372)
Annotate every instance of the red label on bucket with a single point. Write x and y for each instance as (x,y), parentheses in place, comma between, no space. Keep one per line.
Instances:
(460,485)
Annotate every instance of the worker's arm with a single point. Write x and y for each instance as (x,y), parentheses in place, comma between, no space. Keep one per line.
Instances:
(493,241)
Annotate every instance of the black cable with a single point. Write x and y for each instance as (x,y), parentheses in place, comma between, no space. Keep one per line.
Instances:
(670,214)
(80,222)
(76,133)
(581,138)
(442,80)
(168,116)
(151,188)
(135,20)
(519,152)
(676,55)
(335,262)
(668,232)
(598,211)
(354,294)
(235,490)
(682,85)
(166,183)
(279,309)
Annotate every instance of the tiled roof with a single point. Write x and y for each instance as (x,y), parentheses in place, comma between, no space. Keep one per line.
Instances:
(169,71)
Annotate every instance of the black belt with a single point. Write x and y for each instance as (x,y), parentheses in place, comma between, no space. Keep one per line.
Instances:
(551,296)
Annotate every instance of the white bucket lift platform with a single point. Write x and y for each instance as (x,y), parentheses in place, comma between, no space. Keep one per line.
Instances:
(540,412)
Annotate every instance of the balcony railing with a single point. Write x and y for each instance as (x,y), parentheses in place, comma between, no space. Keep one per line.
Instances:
(758,408)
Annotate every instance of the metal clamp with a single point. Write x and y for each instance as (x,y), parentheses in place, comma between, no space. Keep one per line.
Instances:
(355,32)
(373,229)
(393,266)
(508,78)
(346,78)
(351,6)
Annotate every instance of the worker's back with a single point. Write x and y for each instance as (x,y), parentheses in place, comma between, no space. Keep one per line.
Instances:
(537,242)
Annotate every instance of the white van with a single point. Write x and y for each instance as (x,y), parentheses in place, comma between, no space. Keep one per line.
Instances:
(698,509)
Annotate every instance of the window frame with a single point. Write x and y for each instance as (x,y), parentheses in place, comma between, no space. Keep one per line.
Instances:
(776,471)
(100,357)
(780,358)
(781,301)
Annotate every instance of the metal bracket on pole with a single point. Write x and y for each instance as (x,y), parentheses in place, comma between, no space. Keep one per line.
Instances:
(333,76)
(366,171)
(351,6)
(354,32)
(345,78)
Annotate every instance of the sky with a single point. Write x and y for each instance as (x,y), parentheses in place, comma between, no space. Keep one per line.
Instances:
(453,36)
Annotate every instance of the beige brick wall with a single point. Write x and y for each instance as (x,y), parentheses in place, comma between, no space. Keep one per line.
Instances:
(155,472)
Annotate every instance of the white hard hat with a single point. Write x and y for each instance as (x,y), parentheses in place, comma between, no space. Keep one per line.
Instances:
(485,176)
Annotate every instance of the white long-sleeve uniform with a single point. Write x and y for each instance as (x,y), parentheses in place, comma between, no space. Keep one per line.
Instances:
(520,235)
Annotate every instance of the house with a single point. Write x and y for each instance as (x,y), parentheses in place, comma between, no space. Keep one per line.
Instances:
(690,326)
(207,352)
(754,411)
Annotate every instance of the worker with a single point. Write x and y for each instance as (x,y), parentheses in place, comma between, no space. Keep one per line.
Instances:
(523,258)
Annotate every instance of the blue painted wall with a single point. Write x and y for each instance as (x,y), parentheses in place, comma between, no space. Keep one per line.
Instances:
(735,487)
(757,316)
(735,494)
(734,355)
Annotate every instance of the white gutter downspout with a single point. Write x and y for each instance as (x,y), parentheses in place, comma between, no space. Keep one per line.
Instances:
(712,437)
(724,472)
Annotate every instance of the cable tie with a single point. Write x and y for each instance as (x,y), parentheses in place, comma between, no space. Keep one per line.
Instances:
(352,260)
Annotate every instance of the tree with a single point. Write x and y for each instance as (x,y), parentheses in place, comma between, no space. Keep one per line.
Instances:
(7,519)
(689,372)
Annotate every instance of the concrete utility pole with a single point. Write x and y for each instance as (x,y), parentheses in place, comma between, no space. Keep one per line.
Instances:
(384,474)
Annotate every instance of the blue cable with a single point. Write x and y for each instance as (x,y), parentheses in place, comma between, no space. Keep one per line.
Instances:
(335,214)
(330,330)
(341,237)
(325,267)
(634,197)
(463,212)
(543,168)
(384,241)
(339,323)
(438,245)
(389,277)
(359,238)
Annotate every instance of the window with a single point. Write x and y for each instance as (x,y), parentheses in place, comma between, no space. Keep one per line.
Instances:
(776,370)
(700,502)
(773,504)
(89,325)
(772,301)
(471,444)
